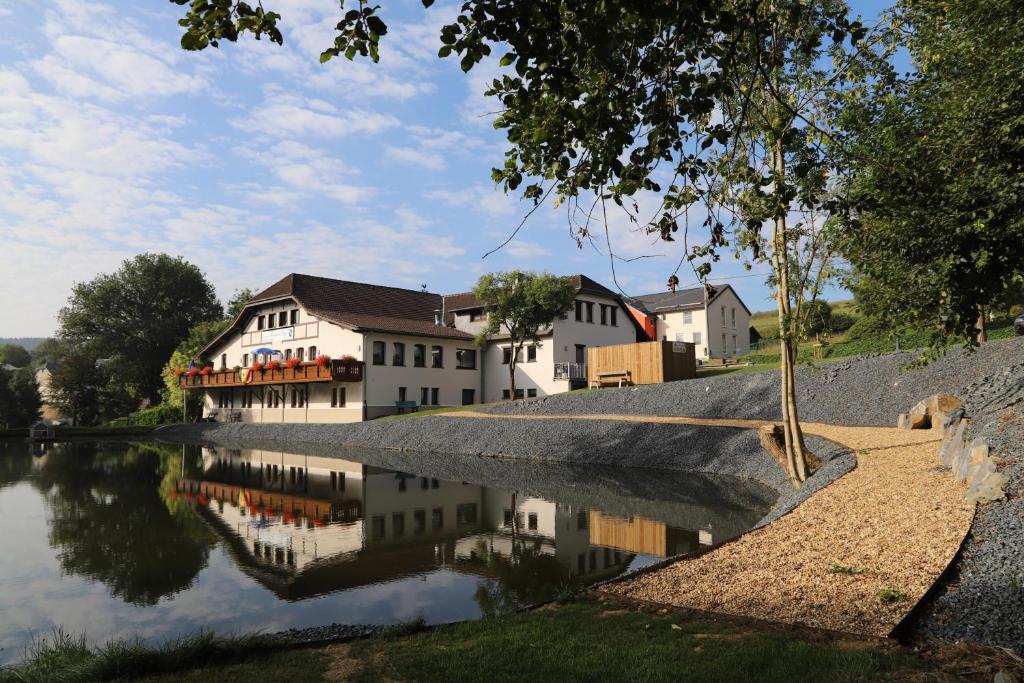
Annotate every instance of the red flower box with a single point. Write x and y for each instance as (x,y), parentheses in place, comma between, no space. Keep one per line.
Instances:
(274,365)
(322,360)
(292,363)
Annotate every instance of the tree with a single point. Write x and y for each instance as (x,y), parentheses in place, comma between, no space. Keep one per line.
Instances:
(46,351)
(720,107)
(521,305)
(238,301)
(73,386)
(135,317)
(19,398)
(14,354)
(937,231)
(188,351)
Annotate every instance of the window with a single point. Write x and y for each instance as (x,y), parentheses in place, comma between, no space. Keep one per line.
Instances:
(245,360)
(465,514)
(723,316)
(287,354)
(338,397)
(531,521)
(401,393)
(377,527)
(468,397)
(696,337)
(223,361)
(397,524)
(379,349)
(424,396)
(581,353)
(437,518)
(435,395)
(312,353)
(419,355)
(419,521)
(531,353)
(734,317)
(476,316)
(398,354)
(261,322)
(294,316)
(615,315)
(687,317)
(271,320)
(581,520)
(519,393)
(604,314)
(734,343)
(590,311)
(531,393)
(507,517)
(506,356)
(300,353)
(579,311)
(505,394)
(465,359)
(723,342)
(298,398)
(437,356)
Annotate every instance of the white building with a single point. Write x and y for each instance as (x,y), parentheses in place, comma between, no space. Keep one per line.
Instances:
(718,324)
(388,348)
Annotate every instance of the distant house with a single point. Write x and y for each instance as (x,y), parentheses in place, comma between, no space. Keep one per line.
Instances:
(49,413)
(718,324)
(389,349)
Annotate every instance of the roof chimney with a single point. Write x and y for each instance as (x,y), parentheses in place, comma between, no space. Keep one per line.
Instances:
(437,317)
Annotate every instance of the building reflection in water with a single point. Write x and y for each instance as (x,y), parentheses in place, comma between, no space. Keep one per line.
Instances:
(308,525)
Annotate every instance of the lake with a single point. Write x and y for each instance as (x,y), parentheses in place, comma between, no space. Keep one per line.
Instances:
(120,540)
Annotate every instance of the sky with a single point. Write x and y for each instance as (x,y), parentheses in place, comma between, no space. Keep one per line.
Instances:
(254,160)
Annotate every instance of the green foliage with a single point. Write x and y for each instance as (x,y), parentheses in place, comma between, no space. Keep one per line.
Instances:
(867,327)
(939,170)
(19,398)
(818,317)
(841,322)
(14,354)
(161,414)
(136,317)
(238,301)
(46,351)
(74,385)
(188,351)
(521,304)
(890,596)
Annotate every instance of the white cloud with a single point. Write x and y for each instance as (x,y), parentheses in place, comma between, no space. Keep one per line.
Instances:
(478,197)
(526,250)
(287,115)
(415,157)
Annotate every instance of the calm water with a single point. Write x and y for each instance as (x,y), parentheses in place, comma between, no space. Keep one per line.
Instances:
(154,540)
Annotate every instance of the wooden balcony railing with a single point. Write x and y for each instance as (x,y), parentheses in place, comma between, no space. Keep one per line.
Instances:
(334,371)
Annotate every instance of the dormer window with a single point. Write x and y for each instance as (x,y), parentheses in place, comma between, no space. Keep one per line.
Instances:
(261,322)
(294,316)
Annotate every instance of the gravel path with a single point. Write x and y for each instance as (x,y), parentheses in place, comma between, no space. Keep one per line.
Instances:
(855,557)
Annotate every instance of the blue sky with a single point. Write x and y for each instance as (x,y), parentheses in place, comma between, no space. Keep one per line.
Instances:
(254,160)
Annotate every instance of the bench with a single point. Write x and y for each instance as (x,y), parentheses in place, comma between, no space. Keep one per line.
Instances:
(612,377)
(410,406)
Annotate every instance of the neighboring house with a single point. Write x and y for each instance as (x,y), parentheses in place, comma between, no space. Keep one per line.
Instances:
(387,346)
(599,317)
(718,324)
(49,414)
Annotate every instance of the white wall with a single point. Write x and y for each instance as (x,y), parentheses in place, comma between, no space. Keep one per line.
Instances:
(736,326)
(672,326)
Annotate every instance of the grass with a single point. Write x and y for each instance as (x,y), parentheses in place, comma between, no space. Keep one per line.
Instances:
(435,411)
(891,596)
(580,641)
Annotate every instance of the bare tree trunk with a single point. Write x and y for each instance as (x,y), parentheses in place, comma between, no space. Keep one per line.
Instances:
(794,438)
(512,373)
(982,332)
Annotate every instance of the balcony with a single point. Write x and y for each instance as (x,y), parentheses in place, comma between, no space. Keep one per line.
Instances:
(571,371)
(334,371)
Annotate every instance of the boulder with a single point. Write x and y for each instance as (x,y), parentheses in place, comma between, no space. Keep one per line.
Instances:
(944,410)
(989,489)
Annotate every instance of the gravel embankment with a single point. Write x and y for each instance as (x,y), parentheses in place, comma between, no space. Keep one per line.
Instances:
(863,390)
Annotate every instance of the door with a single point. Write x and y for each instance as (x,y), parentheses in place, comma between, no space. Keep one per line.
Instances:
(581,353)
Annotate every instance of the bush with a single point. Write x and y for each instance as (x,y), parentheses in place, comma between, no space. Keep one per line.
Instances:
(162,414)
(841,322)
(819,313)
(865,327)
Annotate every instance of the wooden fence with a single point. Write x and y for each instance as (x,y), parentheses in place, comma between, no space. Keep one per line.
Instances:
(647,362)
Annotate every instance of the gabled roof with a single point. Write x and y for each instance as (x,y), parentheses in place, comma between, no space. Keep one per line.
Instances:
(465,301)
(356,306)
(680,300)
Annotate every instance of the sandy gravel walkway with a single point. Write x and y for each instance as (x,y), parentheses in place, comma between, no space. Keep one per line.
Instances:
(855,557)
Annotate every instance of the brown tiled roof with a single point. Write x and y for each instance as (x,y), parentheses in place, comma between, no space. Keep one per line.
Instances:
(358,306)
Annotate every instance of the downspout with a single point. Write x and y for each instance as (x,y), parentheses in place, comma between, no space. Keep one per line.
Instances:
(366,379)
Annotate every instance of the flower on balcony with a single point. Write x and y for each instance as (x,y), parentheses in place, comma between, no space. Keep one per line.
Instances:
(178,372)
(292,363)
(192,372)
(256,366)
(322,360)
(206,371)
(348,359)
(274,365)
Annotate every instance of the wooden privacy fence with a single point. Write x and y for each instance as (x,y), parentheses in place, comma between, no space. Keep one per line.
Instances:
(646,362)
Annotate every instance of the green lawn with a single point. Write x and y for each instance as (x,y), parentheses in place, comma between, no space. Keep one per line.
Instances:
(581,641)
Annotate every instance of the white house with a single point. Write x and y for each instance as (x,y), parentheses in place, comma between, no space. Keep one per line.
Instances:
(717,322)
(388,348)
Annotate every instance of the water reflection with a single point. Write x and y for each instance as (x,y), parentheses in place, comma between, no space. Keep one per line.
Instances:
(158,540)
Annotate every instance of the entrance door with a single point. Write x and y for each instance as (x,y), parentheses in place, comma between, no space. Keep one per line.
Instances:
(581,353)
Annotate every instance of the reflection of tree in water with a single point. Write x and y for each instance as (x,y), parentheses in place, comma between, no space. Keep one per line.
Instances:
(15,461)
(109,520)
(525,577)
